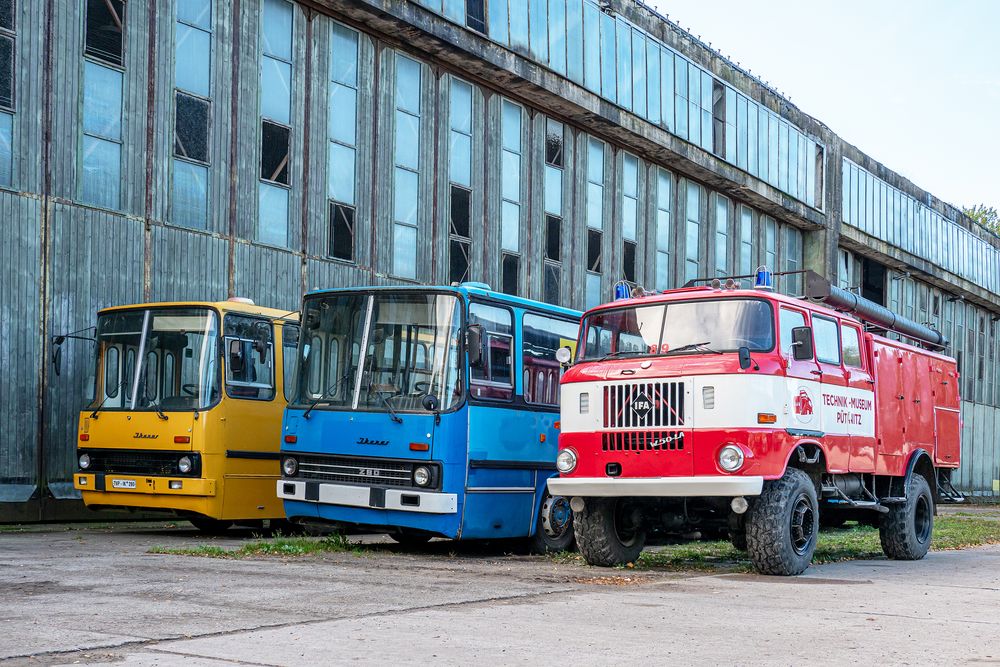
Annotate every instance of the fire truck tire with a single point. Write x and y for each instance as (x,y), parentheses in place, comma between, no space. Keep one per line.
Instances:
(782,525)
(906,530)
(607,533)
(210,526)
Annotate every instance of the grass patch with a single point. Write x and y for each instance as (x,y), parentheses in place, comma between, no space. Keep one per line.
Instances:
(277,546)
(854,542)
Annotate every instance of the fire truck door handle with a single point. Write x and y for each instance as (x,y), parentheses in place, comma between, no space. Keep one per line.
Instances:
(820,373)
(869,381)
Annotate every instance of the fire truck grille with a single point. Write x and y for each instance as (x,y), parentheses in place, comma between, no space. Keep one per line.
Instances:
(642,441)
(378,472)
(644,405)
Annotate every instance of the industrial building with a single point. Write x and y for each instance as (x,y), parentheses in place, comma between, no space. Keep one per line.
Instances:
(202,149)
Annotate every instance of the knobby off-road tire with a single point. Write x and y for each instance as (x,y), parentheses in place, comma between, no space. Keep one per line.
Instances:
(554,527)
(606,534)
(906,530)
(782,525)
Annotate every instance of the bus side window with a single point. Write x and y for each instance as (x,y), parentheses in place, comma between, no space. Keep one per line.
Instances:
(493,378)
(289,347)
(151,377)
(312,354)
(167,386)
(543,336)
(112,372)
(248,376)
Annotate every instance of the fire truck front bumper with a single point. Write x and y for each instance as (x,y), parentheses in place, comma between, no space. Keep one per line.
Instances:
(660,487)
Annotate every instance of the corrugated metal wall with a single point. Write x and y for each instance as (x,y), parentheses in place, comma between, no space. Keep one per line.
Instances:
(60,261)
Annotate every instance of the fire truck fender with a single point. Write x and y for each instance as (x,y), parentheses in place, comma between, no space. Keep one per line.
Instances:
(807,455)
(920,462)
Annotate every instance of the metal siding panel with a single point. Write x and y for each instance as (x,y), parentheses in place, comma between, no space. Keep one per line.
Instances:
(135,105)
(29,97)
(97,260)
(188,265)
(163,113)
(247,119)
(269,276)
(67,70)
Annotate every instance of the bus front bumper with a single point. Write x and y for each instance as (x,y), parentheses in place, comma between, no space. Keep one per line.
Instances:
(142,484)
(661,487)
(405,500)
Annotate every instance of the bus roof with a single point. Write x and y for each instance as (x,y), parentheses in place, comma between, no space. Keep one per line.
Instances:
(464,289)
(222,306)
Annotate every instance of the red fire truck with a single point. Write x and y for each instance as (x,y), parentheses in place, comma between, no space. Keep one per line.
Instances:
(720,408)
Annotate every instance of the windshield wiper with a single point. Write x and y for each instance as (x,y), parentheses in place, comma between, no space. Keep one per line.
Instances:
(325,396)
(392,411)
(150,403)
(620,353)
(93,415)
(693,346)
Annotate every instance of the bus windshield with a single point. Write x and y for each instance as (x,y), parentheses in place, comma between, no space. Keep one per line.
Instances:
(157,359)
(693,327)
(410,344)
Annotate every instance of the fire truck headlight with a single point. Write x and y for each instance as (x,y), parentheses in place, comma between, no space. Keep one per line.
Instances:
(184,464)
(730,458)
(289,466)
(421,476)
(566,461)
(84,461)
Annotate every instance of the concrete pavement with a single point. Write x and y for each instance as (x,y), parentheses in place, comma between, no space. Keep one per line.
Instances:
(95,596)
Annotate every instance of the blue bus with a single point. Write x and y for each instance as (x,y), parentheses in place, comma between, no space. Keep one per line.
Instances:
(428,411)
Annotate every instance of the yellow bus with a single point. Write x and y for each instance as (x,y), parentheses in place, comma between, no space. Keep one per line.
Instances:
(186,414)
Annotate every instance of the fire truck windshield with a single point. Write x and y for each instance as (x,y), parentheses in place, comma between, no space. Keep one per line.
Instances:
(724,325)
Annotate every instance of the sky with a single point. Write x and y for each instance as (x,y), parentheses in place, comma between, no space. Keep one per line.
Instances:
(915,85)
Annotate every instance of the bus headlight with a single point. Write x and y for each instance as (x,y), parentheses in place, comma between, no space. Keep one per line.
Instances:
(730,458)
(289,466)
(421,476)
(84,461)
(566,461)
(184,464)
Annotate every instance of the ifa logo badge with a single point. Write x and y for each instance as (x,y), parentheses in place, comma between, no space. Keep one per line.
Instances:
(641,406)
(804,406)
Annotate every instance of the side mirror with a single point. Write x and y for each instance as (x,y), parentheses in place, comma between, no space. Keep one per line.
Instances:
(430,403)
(236,360)
(474,336)
(564,355)
(802,343)
(745,360)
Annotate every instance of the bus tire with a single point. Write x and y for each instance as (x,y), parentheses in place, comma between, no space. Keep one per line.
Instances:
(783,524)
(210,526)
(410,538)
(608,533)
(554,527)
(905,531)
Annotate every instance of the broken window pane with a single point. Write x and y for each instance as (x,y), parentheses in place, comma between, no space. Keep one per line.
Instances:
(461,202)
(274,152)
(7,14)
(509,270)
(594,250)
(554,143)
(342,232)
(553,237)
(6,72)
(628,261)
(104,31)
(459,261)
(191,128)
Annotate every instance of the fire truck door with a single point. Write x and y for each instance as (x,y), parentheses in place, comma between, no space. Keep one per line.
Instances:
(833,396)
(861,402)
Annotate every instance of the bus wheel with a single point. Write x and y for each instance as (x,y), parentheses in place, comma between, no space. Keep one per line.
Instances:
(410,538)
(609,531)
(554,528)
(210,526)
(905,531)
(783,524)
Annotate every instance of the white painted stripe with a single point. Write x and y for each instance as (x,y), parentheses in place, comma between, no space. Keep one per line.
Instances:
(662,487)
(359,496)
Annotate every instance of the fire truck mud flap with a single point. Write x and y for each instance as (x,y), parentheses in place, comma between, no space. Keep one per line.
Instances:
(662,487)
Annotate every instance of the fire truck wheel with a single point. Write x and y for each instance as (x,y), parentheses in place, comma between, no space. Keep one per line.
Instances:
(782,525)
(554,529)
(210,526)
(609,532)
(906,530)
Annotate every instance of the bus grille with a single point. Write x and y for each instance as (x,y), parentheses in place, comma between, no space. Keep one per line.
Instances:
(366,471)
(644,405)
(141,463)
(642,441)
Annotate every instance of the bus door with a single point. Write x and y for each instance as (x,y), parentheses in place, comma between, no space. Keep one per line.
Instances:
(500,487)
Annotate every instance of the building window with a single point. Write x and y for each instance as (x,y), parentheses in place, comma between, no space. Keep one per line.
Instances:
(192,112)
(692,241)
(275,123)
(475,15)
(7,90)
(406,158)
(595,219)
(746,241)
(510,189)
(105,30)
(342,149)
(770,243)
(510,269)
(460,177)
(630,215)
(721,236)
(552,283)
(792,250)
(663,232)
(102,135)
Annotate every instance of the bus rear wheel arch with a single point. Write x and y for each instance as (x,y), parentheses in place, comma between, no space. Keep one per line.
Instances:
(554,529)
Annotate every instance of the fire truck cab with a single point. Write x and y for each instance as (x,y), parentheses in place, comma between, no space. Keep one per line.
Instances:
(717,408)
